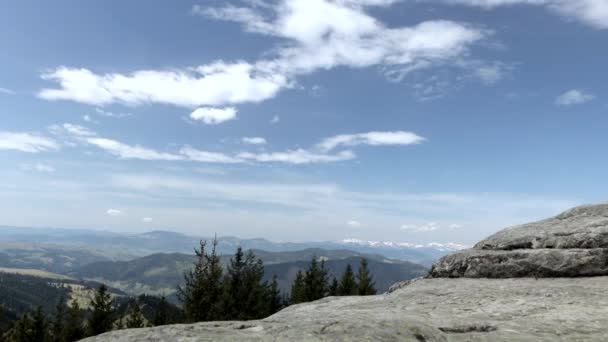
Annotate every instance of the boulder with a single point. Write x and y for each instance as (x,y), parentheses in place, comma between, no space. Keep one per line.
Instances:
(572,244)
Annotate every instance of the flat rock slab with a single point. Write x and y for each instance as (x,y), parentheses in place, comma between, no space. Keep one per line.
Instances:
(522,263)
(461,309)
(581,227)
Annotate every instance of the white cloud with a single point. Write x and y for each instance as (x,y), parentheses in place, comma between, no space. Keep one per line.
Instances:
(590,12)
(78,130)
(315,35)
(354,224)
(371,138)
(125,151)
(254,140)
(40,167)
(26,142)
(299,156)
(213,84)
(213,116)
(147,220)
(275,119)
(208,157)
(422,228)
(6,91)
(573,97)
(101,112)
(114,212)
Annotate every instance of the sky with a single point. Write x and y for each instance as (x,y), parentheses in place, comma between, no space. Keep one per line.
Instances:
(302,120)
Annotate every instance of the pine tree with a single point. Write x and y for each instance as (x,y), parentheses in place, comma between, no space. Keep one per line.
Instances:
(202,292)
(365,279)
(23,330)
(73,323)
(160,318)
(57,325)
(136,318)
(244,295)
(101,318)
(348,285)
(297,289)
(39,325)
(315,281)
(333,288)
(274,300)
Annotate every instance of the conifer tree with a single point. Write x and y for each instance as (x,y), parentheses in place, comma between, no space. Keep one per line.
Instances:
(23,330)
(57,324)
(201,294)
(74,330)
(102,317)
(244,293)
(160,318)
(297,289)
(136,318)
(333,288)
(365,280)
(274,300)
(39,325)
(315,281)
(348,285)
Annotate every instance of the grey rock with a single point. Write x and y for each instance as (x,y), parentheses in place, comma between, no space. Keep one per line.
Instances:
(462,309)
(572,244)
(582,227)
(522,263)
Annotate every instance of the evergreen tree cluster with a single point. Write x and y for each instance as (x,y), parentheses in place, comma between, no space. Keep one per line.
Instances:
(314,284)
(209,293)
(239,293)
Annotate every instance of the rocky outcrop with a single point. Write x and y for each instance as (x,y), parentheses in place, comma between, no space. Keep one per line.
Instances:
(525,309)
(572,244)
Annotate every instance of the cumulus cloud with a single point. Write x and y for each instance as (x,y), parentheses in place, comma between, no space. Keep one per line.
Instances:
(26,142)
(114,212)
(147,220)
(590,12)
(371,138)
(573,97)
(213,116)
(315,35)
(254,140)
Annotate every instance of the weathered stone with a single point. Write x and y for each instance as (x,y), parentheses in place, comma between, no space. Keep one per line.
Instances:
(572,244)
(524,309)
(522,263)
(582,227)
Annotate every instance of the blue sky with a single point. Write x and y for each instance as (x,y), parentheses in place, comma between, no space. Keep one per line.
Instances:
(405,121)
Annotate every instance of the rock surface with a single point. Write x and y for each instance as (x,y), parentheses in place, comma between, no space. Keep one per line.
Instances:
(547,309)
(572,244)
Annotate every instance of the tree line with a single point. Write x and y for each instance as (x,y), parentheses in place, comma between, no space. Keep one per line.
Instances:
(210,293)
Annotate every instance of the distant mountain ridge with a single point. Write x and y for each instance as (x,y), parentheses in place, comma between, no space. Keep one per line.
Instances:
(126,246)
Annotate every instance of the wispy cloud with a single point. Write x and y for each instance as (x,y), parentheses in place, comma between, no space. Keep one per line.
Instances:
(318,154)
(27,142)
(39,167)
(573,97)
(371,138)
(590,12)
(7,91)
(113,212)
